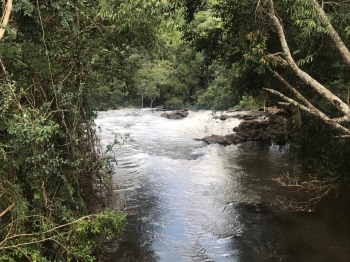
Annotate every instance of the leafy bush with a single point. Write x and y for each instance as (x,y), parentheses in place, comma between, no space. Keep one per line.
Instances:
(248,103)
(174,103)
(54,177)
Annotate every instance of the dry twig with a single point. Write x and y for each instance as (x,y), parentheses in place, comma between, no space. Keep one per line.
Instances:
(303,195)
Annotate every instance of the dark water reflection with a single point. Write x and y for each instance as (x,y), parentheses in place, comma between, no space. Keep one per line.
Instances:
(192,202)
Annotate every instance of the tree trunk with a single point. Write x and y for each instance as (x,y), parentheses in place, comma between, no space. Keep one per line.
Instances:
(5,17)
(288,62)
(141,100)
(152,100)
(338,42)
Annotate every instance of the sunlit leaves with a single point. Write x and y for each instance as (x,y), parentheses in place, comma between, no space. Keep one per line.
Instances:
(151,77)
(133,13)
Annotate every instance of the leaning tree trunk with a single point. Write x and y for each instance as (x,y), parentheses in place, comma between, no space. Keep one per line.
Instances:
(5,18)
(286,60)
(338,42)
(4,22)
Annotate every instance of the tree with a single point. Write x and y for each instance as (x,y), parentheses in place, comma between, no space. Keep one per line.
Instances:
(151,77)
(250,30)
(5,17)
(285,60)
(298,51)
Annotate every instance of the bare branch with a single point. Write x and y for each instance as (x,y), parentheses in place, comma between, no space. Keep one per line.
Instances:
(27,243)
(304,100)
(294,91)
(303,195)
(258,5)
(50,230)
(3,67)
(7,209)
(339,119)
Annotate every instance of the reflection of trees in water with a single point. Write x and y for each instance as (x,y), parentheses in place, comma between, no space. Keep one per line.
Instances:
(260,238)
(270,234)
(136,242)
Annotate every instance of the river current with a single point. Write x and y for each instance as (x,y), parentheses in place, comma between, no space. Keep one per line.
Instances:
(189,201)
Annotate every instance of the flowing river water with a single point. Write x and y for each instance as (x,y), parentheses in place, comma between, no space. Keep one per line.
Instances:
(189,201)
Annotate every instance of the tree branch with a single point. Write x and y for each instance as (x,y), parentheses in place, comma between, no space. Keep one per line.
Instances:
(5,18)
(7,209)
(317,113)
(338,42)
(328,95)
(304,100)
(294,91)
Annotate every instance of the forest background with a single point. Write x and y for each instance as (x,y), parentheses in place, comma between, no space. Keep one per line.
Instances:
(63,61)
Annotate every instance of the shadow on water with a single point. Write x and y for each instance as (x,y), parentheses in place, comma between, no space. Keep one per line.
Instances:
(136,242)
(274,235)
(192,202)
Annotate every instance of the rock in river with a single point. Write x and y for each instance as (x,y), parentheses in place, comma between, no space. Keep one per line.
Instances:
(177,114)
(268,126)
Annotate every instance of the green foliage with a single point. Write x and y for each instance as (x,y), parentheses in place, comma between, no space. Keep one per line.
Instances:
(322,151)
(151,77)
(174,103)
(257,53)
(244,35)
(248,103)
(76,239)
(59,59)
(222,91)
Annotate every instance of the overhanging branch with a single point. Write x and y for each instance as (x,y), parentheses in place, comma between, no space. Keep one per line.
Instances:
(338,42)
(300,96)
(317,113)
(291,88)
(7,209)
(289,61)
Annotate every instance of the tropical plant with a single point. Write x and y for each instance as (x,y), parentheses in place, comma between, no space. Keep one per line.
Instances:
(56,57)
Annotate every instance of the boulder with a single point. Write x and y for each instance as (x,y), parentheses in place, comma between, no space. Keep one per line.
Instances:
(177,114)
(224,117)
(251,124)
(239,116)
(224,140)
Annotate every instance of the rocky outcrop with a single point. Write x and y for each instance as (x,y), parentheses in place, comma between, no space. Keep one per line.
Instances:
(177,114)
(269,126)
(244,115)
(223,140)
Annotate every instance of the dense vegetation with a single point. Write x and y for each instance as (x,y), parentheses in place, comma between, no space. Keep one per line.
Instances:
(295,51)
(57,58)
(61,61)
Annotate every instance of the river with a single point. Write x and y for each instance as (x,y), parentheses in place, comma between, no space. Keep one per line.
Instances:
(189,201)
